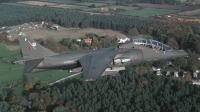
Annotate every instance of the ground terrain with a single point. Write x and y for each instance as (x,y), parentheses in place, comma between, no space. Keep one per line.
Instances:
(69,32)
(10,74)
(170,7)
(148,10)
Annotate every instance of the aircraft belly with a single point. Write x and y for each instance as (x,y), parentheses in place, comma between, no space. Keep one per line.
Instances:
(58,64)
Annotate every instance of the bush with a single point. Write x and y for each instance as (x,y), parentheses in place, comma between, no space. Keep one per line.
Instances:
(92,6)
(74,47)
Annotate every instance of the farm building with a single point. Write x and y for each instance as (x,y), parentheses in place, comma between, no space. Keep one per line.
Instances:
(194,74)
(88,41)
(168,73)
(158,72)
(102,10)
(175,74)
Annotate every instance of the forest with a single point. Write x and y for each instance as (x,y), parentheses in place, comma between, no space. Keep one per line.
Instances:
(67,18)
(137,89)
(127,93)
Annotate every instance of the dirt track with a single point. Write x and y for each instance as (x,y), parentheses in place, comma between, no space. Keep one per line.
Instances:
(172,7)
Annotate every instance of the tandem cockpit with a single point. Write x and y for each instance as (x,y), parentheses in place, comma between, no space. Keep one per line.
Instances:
(152,44)
(147,43)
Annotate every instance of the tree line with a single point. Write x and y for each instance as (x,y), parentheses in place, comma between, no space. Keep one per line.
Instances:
(14,15)
(129,92)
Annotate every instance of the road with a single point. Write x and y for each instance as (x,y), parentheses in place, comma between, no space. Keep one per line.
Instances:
(65,78)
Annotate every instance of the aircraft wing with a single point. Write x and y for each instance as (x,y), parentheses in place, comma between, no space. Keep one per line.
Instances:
(94,65)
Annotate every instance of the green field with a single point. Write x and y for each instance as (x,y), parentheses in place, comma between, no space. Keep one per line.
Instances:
(10,74)
(90,3)
(90,10)
(107,1)
(111,7)
(60,1)
(123,7)
(70,7)
(147,12)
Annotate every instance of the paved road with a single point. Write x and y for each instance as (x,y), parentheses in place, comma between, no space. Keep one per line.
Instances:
(65,78)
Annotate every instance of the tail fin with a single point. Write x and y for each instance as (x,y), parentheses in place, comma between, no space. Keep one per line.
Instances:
(31,49)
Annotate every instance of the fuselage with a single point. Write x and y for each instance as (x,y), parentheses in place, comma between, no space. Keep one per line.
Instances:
(66,61)
(93,63)
(135,54)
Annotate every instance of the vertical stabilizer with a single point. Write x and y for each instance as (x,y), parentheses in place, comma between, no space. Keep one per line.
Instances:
(31,49)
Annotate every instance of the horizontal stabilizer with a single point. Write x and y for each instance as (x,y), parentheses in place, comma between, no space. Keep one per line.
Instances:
(30,64)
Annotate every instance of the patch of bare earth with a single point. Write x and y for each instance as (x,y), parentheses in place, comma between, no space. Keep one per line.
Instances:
(171,7)
(38,3)
(12,47)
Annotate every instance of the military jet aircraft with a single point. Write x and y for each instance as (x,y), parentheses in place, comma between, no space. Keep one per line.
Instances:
(94,63)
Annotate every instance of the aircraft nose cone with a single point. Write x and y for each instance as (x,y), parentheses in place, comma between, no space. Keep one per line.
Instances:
(181,53)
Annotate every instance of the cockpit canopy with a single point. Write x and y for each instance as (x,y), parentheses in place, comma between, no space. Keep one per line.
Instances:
(152,44)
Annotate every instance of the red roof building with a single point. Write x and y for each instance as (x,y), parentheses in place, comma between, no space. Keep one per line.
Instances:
(88,41)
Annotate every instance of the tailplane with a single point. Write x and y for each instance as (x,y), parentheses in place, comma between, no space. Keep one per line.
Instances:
(31,49)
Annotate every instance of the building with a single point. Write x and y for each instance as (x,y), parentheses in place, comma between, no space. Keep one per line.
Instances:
(158,72)
(54,27)
(194,74)
(78,40)
(168,73)
(175,74)
(9,38)
(88,41)
(123,40)
(102,10)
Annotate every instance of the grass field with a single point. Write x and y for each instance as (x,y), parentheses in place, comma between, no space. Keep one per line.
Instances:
(111,7)
(123,7)
(147,12)
(10,74)
(60,1)
(4,52)
(90,3)
(107,1)
(12,47)
(190,13)
(70,6)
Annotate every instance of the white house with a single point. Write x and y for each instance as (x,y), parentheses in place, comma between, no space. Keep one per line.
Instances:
(194,74)
(168,73)
(175,74)
(123,40)
(158,72)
